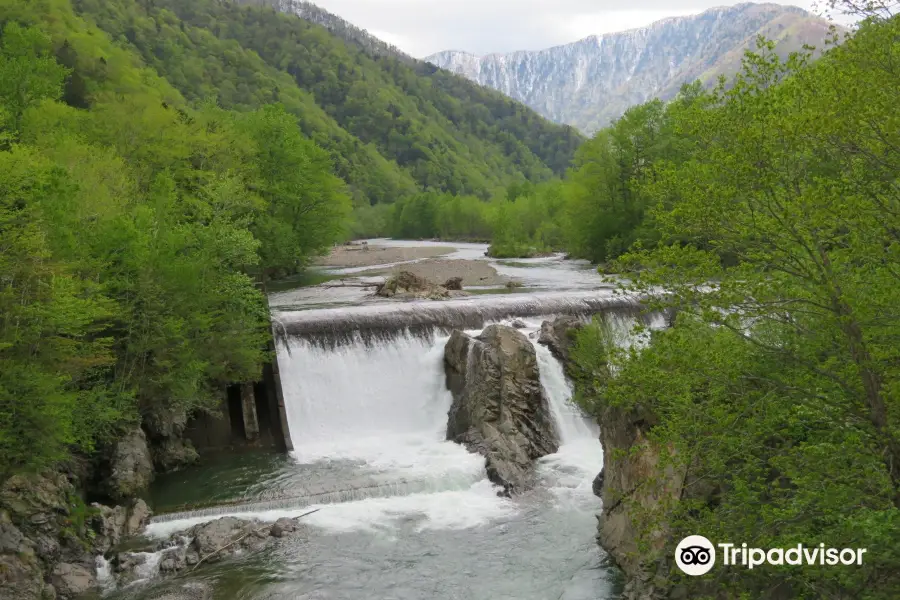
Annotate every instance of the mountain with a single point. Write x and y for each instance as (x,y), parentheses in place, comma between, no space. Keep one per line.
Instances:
(336,25)
(393,125)
(593,81)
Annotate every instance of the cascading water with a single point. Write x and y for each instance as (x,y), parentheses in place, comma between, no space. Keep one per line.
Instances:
(367,420)
(378,413)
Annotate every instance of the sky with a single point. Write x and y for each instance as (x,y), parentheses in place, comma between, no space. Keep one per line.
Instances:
(423,27)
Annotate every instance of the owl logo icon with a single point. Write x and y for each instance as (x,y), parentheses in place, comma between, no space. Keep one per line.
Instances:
(695,555)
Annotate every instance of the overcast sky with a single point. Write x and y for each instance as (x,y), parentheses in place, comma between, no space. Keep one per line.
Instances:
(423,27)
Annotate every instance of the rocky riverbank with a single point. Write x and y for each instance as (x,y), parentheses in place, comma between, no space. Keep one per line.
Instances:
(49,538)
(54,546)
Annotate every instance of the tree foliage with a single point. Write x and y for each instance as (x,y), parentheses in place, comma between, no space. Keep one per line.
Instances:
(777,388)
(392,128)
(132,230)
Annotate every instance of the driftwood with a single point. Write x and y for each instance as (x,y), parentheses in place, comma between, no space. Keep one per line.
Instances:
(236,540)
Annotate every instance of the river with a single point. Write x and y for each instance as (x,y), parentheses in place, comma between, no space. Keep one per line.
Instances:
(404,513)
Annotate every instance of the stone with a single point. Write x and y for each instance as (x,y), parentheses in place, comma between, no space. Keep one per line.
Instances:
(283,527)
(173,454)
(499,407)
(37,499)
(72,580)
(597,485)
(108,525)
(164,421)
(410,286)
(454,283)
(216,535)
(138,517)
(173,560)
(20,570)
(559,335)
(518,324)
(131,467)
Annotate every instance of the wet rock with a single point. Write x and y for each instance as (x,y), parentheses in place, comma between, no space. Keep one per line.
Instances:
(499,408)
(597,485)
(207,543)
(173,453)
(173,560)
(138,517)
(454,283)
(108,525)
(131,467)
(216,535)
(72,580)
(283,527)
(518,324)
(559,334)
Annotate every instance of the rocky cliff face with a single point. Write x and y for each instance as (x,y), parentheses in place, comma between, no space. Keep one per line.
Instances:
(591,82)
(499,408)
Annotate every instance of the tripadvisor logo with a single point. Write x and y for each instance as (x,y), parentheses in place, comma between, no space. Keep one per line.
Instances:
(696,555)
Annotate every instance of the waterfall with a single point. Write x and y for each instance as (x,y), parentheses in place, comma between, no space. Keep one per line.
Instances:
(381,412)
(571,423)
(368,425)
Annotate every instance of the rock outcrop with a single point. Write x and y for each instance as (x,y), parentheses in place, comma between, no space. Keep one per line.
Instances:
(559,335)
(169,450)
(408,285)
(111,525)
(499,407)
(49,538)
(131,467)
(20,569)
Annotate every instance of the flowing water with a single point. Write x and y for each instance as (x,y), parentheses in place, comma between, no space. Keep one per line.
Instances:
(404,513)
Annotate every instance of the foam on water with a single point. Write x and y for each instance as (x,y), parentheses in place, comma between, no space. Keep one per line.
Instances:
(105,581)
(456,509)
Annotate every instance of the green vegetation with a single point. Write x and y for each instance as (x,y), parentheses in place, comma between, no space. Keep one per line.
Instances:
(777,388)
(132,228)
(521,220)
(392,128)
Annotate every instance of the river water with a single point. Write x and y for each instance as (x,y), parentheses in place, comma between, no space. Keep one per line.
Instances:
(404,513)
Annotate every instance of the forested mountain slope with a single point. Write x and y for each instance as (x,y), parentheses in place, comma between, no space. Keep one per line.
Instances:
(390,130)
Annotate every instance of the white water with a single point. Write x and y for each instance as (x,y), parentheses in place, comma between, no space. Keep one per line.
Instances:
(373,418)
(105,580)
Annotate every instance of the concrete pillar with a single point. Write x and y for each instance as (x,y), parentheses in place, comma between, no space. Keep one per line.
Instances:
(248,410)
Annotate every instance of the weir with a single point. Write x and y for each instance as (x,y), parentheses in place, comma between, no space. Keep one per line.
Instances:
(362,402)
(379,322)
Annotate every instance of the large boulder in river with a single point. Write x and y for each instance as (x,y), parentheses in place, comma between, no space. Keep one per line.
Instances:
(499,407)
(559,335)
(408,285)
